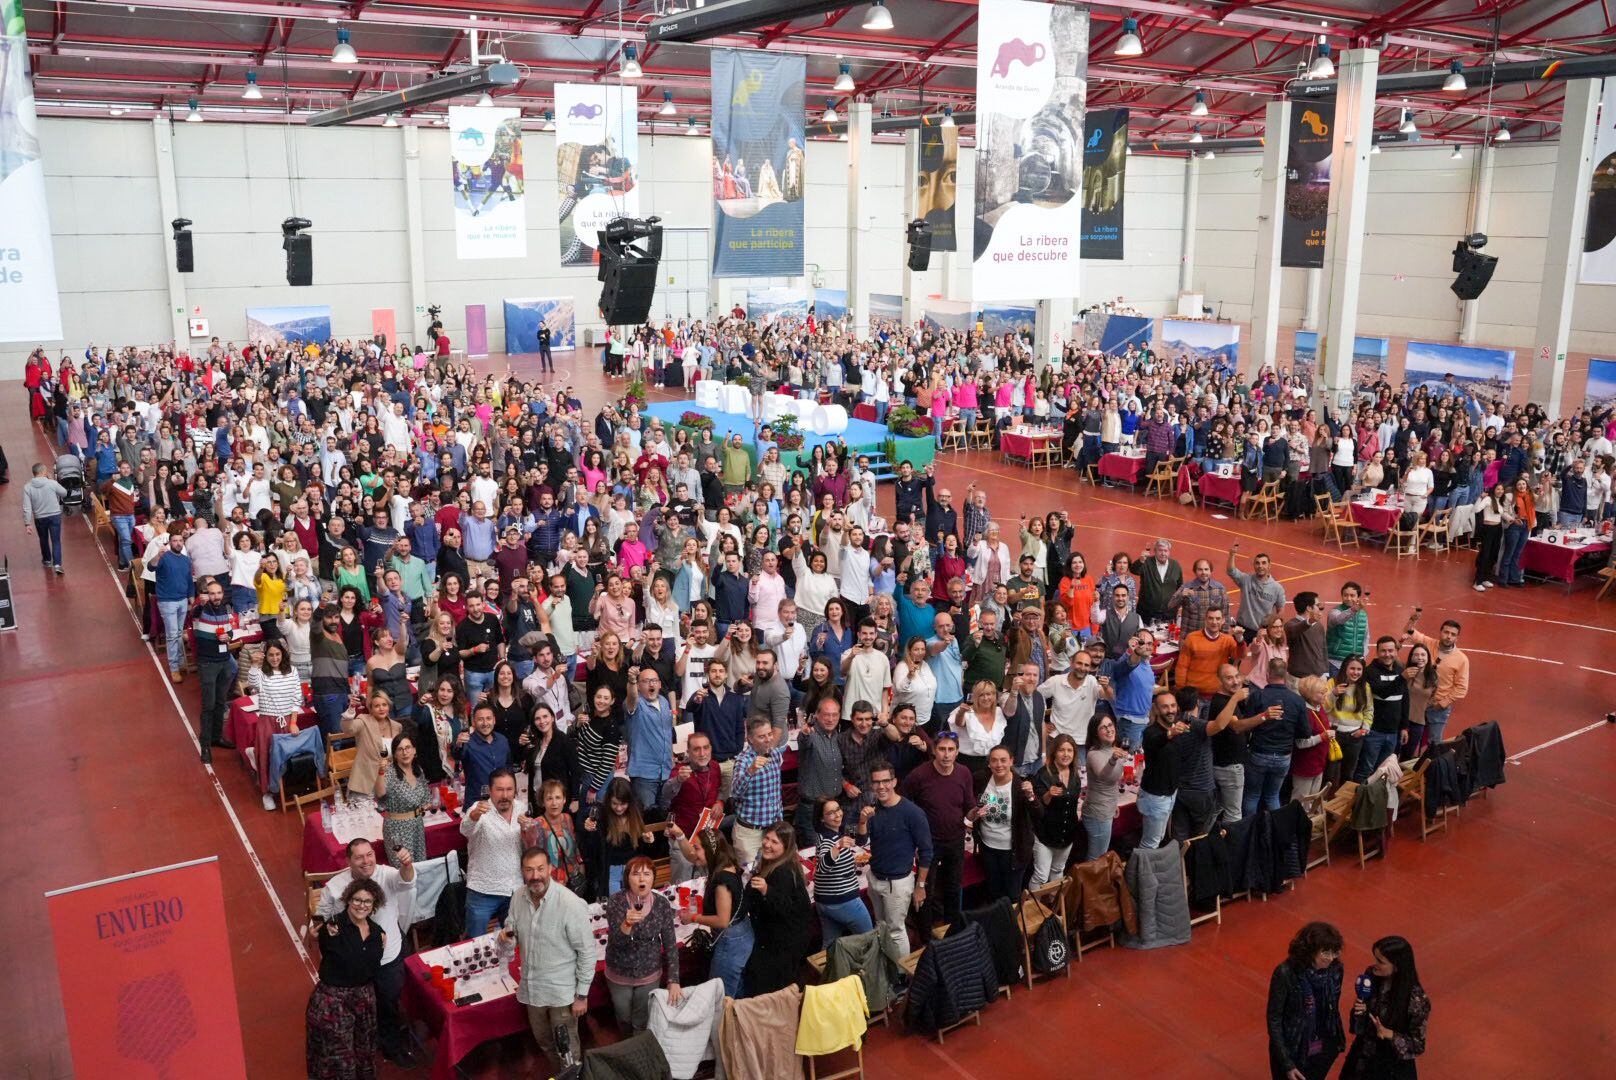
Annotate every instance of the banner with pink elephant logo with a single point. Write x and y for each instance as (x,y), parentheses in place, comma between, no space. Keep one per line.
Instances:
(597,164)
(1031,81)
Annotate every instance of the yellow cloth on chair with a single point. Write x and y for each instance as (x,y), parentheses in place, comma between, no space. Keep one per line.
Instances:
(834,1017)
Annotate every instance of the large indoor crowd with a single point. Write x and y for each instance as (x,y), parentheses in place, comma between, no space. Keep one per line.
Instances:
(618,640)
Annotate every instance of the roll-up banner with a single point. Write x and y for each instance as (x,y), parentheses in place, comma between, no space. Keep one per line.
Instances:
(938,183)
(1031,78)
(30,309)
(1599,241)
(758,159)
(485,147)
(1105,170)
(597,162)
(1307,184)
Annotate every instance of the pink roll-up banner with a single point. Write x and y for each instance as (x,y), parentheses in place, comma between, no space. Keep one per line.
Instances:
(383,321)
(476,330)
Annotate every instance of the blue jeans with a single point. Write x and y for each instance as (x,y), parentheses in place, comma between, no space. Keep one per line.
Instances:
(1509,562)
(50,538)
(124,526)
(329,708)
(846,917)
(646,790)
(1099,838)
(1568,521)
(1377,747)
(477,682)
(173,613)
(1156,810)
(731,951)
(244,599)
(480,907)
(523,668)
(614,878)
(968,418)
(1436,722)
(1131,733)
(1265,773)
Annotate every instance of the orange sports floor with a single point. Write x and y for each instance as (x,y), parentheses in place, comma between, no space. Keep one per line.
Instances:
(1510,914)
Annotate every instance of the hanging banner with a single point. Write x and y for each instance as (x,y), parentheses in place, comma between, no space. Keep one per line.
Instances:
(937,184)
(1599,240)
(1601,392)
(597,165)
(1031,78)
(758,158)
(1105,170)
(1307,184)
(30,309)
(485,147)
(144,964)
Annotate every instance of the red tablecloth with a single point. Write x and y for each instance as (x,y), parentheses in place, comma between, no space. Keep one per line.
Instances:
(1215,488)
(458,1029)
(1122,467)
(864,411)
(1019,446)
(1379,520)
(241,727)
(1558,560)
(323,852)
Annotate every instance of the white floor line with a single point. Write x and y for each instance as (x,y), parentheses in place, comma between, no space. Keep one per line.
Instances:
(1596,670)
(1515,759)
(218,789)
(1533,618)
(1513,656)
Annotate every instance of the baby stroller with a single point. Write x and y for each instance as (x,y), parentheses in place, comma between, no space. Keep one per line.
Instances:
(70,474)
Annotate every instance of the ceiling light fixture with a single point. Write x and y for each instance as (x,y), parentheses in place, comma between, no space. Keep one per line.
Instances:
(948,116)
(830,116)
(252,93)
(667,104)
(877,17)
(1129,43)
(844,79)
(1374,148)
(343,51)
(691,128)
(485,100)
(1195,136)
(631,65)
(1322,66)
(116,110)
(194,116)
(1199,108)
(391,121)
(1407,127)
(549,121)
(1210,155)
(1455,82)
(1457,153)
(1502,135)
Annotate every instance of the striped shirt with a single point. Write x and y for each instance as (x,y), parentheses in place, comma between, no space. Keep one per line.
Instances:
(597,743)
(837,877)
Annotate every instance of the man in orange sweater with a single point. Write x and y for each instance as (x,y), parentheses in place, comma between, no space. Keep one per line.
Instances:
(1452,672)
(1202,651)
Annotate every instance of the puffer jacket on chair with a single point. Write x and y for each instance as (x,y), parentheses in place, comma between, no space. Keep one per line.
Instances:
(953,979)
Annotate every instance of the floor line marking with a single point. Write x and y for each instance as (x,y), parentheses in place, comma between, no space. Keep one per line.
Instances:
(1596,670)
(160,666)
(1515,656)
(1533,618)
(1515,759)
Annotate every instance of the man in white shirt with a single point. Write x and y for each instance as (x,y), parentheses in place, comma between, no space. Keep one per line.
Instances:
(867,670)
(207,551)
(393,918)
(1071,697)
(551,927)
(789,642)
(484,488)
(692,662)
(395,428)
(493,832)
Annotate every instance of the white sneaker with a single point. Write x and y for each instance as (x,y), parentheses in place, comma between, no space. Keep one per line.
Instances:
(1489,584)
(269,801)
(1480,588)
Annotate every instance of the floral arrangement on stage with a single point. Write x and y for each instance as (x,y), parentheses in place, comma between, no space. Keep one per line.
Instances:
(696,420)
(634,395)
(907,422)
(787,435)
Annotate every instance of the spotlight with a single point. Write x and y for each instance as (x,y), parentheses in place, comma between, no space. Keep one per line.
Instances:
(1455,82)
(631,66)
(878,17)
(1129,44)
(252,93)
(1407,127)
(343,52)
(830,116)
(667,104)
(195,115)
(1199,108)
(844,79)
(1322,66)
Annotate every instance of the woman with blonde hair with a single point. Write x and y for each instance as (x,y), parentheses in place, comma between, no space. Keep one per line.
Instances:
(1312,753)
(981,726)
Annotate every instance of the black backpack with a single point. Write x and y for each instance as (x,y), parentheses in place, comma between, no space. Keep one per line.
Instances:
(1050,952)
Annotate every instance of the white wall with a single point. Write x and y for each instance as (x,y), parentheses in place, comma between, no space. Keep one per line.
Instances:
(1419,204)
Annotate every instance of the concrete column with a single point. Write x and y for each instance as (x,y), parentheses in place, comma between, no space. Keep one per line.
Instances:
(414,323)
(859,243)
(1481,198)
(168,199)
(912,283)
(1270,229)
(1349,201)
(1310,305)
(1051,331)
(1192,199)
(1562,253)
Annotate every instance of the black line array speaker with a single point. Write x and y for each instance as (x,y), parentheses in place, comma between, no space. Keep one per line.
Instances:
(184,258)
(919,244)
(299,259)
(1475,270)
(630,253)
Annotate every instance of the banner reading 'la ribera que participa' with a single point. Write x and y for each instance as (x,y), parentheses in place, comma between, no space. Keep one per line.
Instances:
(758,158)
(1031,71)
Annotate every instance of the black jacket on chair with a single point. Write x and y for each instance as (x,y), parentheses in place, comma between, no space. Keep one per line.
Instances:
(998,922)
(954,978)
(1290,834)
(1483,749)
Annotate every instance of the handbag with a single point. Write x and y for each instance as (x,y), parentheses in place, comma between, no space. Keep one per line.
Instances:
(1336,753)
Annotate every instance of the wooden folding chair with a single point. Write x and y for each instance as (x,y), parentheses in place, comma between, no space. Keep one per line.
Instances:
(1160,482)
(1265,499)
(953,435)
(1038,906)
(1411,795)
(1320,821)
(1339,527)
(980,437)
(1609,574)
(1438,532)
(1216,914)
(102,519)
(339,760)
(856,1069)
(314,885)
(1407,540)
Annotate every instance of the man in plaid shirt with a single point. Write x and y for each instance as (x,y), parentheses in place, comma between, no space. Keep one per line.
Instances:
(755,790)
(1198,596)
(977,517)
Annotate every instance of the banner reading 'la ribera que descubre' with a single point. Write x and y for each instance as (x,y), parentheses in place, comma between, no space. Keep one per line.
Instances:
(29,307)
(1031,77)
